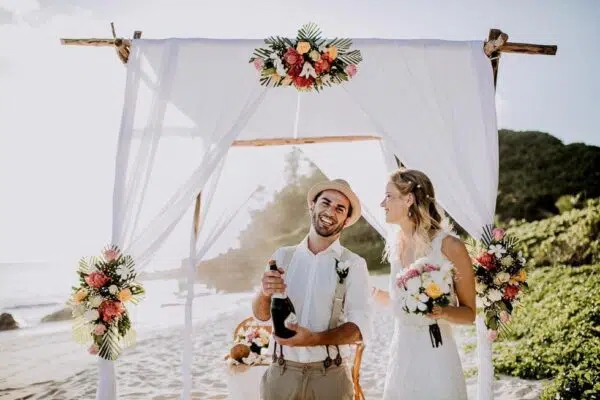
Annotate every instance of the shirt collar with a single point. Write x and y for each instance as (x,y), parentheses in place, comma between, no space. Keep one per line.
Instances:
(335,247)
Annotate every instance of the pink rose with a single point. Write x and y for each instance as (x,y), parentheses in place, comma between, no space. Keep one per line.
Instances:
(411,273)
(504,317)
(97,279)
(498,233)
(430,268)
(111,255)
(292,57)
(351,70)
(110,309)
(94,349)
(492,334)
(259,64)
(99,330)
(322,65)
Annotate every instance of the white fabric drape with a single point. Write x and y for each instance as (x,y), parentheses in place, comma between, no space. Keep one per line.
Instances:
(186,100)
(141,232)
(444,124)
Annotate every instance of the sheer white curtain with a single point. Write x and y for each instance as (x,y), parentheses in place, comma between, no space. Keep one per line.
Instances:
(433,102)
(144,211)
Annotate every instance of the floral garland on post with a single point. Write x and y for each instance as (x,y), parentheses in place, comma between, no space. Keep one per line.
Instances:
(100,317)
(500,277)
(308,62)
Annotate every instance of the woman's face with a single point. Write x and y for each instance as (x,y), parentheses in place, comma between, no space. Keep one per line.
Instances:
(395,204)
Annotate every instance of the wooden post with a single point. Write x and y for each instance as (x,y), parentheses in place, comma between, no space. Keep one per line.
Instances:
(494,36)
(197,215)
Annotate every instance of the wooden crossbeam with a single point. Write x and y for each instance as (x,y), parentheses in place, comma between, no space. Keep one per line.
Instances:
(498,43)
(303,140)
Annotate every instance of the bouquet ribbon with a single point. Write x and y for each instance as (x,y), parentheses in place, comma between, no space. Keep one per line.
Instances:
(435,335)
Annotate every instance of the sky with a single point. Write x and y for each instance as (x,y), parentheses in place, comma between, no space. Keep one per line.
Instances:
(60,106)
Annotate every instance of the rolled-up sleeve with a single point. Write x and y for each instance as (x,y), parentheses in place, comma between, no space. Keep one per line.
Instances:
(357,307)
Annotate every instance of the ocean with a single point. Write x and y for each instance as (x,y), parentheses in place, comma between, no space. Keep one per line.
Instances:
(31,291)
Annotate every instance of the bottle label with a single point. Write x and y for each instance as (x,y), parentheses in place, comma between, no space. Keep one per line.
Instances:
(290,320)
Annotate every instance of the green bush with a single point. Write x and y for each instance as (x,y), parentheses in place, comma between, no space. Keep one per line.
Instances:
(536,169)
(571,238)
(556,333)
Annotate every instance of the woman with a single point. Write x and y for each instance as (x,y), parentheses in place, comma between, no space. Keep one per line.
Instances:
(417,369)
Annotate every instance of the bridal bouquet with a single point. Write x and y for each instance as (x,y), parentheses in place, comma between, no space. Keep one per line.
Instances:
(500,277)
(307,62)
(426,285)
(106,284)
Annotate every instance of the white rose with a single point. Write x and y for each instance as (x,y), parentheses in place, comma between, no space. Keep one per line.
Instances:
(78,310)
(91,315)
(96,301)
(413,285)
(501,278)
(495,295)
(113,289)
(480,287)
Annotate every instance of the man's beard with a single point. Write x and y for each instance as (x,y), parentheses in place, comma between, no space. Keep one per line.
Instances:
(326,231)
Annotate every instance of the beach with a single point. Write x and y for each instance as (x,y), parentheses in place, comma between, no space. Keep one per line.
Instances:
(44,363)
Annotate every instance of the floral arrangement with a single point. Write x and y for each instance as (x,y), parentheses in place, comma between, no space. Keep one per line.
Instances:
(426,285)
(500,277)
(106,284)
(308,62)
(250,346)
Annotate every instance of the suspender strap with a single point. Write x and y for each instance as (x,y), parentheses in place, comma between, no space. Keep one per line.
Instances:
(336,314)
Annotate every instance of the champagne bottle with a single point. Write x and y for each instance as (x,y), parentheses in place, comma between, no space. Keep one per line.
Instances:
(282,311)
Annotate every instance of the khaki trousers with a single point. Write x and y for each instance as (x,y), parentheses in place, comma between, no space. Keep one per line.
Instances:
(310,381)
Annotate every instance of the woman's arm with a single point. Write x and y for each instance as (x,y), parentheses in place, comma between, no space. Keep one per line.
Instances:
(381,297)
(464,282)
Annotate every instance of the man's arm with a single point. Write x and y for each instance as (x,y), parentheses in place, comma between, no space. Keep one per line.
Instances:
(272,282)
(347,333)
(261,306)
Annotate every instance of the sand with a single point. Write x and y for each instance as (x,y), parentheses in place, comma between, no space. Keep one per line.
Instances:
(49,365)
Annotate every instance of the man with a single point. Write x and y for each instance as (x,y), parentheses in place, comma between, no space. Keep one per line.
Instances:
(314,274)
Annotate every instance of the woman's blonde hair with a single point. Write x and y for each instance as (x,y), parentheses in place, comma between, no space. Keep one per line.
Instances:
(427,216)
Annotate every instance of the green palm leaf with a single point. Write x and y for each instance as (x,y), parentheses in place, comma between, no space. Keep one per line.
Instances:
(352,57)
(129,339)
(81,331)
(110,347)
(341,44)
(309,32)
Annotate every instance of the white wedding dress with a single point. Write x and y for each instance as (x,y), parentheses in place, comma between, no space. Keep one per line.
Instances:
(417,370)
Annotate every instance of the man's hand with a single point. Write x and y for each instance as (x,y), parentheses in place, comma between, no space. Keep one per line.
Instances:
(303,337)
(272,282)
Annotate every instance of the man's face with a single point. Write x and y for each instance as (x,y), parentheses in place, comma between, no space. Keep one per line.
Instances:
(329,213)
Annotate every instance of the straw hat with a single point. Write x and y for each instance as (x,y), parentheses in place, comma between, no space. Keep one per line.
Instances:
(341,186)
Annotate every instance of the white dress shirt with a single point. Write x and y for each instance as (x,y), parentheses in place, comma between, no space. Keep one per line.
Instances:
(311,281)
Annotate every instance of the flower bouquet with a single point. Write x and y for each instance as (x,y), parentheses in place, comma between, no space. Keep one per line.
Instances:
(426,285)
(500,277)
(307,62)
(250,345)
(106,284)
